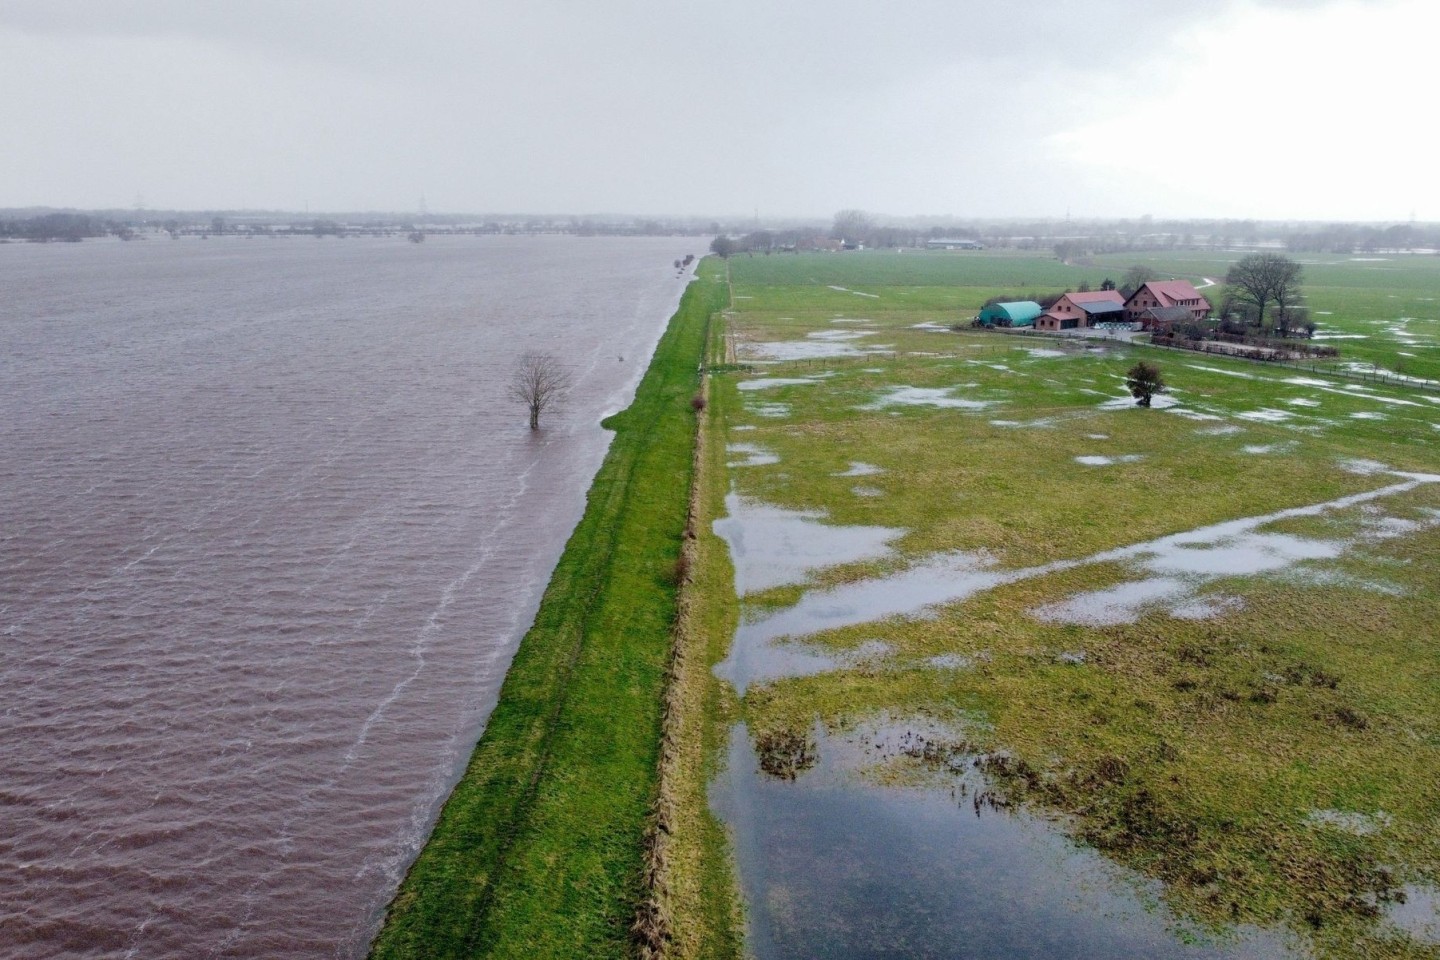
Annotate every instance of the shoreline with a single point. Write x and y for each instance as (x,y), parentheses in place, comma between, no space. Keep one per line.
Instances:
(538,850)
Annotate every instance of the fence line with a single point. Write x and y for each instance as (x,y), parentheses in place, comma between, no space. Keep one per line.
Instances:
(1304,366)
(1311,366)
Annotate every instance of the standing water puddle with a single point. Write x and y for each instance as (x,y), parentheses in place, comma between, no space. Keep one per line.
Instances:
(835,865)
(1418,914)
(1185,562)
(771,546)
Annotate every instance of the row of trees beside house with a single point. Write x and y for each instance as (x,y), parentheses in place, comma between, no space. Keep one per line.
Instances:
(1261,298)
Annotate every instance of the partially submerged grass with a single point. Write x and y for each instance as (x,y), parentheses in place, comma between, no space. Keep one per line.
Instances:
(1203,753)
(538,851)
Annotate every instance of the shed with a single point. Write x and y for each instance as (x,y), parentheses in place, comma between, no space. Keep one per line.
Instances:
(1019,313)
(1163,319)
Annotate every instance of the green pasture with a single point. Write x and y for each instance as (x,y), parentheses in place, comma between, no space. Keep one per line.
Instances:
(1392,301)
(1362,294)
(1195,751)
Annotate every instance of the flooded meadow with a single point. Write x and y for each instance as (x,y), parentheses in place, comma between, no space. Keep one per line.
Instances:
(1070,677)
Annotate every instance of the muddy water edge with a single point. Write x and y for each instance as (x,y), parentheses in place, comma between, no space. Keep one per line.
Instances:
(538,851)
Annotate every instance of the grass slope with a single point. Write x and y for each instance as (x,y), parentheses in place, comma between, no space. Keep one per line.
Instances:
(537,853)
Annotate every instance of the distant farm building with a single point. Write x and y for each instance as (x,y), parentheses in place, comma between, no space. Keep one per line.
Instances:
(954,245)
(1020,313)
(1083,310)
(1163,294)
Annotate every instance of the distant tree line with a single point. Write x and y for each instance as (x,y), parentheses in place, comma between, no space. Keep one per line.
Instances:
(1344,238)
(58,226)
(1071,240)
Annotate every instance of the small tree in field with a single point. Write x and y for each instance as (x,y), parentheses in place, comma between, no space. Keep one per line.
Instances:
(539,382)
(1144,382)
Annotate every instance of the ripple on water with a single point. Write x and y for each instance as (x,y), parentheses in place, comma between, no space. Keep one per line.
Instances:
(271,530)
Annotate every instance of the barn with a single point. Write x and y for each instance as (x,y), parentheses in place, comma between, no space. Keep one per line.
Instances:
(1018,313)
(1082,310)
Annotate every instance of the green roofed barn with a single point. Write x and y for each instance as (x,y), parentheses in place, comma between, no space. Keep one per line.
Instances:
(1020,313)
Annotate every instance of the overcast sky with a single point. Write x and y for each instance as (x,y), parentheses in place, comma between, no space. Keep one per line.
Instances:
(1311,109)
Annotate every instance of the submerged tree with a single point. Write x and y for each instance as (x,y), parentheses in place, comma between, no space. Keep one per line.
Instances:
(1144,381)
(539,382)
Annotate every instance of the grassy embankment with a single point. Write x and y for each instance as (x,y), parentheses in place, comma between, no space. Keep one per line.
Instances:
(538,851)
(697,893)
(1203,753)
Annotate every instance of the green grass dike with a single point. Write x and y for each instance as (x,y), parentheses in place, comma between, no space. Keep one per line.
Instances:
(541,849)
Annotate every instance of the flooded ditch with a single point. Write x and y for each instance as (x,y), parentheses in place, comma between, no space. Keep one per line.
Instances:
(901,837)
(892,840)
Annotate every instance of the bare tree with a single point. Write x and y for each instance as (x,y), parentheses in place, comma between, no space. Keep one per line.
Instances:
(852,225)
(539,382)
(1135,278)
(1261,278)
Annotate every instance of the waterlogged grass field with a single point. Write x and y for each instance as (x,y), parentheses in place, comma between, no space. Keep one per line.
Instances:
(1383,311)
(1197,639)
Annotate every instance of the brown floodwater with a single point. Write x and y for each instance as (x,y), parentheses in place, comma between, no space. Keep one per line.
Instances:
(270,533)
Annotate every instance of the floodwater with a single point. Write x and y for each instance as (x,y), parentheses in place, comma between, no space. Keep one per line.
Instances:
(771,546)
(927,397)
(816,346)
(1171,571)
(1418,914)
(270,534)
(866,843)
(836,865)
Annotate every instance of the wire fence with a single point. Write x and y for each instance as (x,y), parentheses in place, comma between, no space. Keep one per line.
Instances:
(1337,369)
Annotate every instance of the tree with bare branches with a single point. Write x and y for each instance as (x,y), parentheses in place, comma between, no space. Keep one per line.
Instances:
(540,382)
(1261,278)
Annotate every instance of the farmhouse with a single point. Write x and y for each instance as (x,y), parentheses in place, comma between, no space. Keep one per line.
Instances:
(1082,310)
(1019,313)
(1159,294)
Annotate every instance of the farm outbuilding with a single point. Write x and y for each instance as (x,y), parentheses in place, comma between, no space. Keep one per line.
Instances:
(1019,313)
(1088,309)
(1163,319)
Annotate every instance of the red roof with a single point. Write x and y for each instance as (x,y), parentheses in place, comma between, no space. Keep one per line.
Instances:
(1169,293)
(1096,296)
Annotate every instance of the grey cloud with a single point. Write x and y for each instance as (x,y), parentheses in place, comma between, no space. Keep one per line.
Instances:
(551,105)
